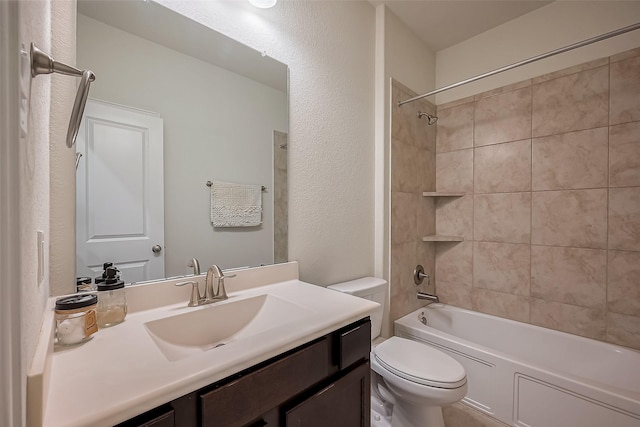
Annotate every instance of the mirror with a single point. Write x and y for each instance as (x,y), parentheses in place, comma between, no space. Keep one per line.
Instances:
(219,112)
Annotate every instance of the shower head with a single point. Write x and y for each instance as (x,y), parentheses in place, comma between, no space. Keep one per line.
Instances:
(431,119)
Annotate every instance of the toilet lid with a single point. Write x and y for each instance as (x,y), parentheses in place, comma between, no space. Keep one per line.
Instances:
(420,363)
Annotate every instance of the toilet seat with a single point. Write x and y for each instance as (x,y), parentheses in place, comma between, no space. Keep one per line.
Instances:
(420,363)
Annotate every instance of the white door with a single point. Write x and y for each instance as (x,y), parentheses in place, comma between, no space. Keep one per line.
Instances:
(119,192)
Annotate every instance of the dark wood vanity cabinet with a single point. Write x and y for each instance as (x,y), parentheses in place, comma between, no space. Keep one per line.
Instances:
(325,382)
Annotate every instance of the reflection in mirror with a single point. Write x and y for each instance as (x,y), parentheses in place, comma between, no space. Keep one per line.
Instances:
(174,105)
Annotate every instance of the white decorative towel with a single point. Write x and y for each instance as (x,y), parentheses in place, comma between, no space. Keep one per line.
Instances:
(236,205)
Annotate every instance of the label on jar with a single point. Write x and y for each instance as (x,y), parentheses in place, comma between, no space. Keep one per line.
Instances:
(90,323)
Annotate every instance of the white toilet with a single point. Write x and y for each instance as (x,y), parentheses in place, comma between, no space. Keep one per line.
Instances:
(413,379)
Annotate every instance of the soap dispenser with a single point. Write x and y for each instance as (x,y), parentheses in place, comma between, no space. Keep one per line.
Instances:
(103,276)
(112,302)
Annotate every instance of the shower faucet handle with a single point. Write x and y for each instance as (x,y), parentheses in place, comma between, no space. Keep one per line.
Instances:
(419,275)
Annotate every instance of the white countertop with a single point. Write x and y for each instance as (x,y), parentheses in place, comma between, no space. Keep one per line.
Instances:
(121,372)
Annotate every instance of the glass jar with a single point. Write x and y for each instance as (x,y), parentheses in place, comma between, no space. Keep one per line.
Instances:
(76,318)
(112,303)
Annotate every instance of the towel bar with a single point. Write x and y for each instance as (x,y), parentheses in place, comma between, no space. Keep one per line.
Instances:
(209,184)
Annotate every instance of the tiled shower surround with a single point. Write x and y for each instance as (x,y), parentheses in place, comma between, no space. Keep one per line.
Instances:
(413,170)
(550,171)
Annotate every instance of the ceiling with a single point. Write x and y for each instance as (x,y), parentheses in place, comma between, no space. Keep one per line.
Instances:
(443,23)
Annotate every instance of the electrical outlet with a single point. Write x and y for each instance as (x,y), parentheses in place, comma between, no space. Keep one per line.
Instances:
(41,258)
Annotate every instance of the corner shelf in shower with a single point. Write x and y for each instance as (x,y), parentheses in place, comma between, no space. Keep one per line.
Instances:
(442,238)
(436,194)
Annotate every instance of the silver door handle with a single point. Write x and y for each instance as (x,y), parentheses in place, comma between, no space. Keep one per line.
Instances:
(156,249)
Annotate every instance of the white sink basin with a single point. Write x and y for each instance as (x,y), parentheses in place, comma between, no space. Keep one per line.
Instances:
(212,326)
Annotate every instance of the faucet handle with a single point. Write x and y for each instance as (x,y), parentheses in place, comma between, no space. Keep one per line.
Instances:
(195,292)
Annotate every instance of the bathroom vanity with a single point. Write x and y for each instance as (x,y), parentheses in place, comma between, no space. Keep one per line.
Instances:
(324,382)
(279,351)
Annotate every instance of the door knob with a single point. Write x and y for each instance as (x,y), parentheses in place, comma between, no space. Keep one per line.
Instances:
(156,249)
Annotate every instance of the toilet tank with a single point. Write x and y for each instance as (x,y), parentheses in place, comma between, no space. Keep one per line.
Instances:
(370,288)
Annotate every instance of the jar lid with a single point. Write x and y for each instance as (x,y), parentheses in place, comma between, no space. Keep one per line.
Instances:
(76,301)
(110,286)
(83,280)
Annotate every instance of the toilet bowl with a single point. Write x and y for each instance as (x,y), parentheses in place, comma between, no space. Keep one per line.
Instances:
(411,379)
(417,380)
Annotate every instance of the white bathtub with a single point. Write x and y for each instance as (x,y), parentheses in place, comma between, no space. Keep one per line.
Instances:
(525,375)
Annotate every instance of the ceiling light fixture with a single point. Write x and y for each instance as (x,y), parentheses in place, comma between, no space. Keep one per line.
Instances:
(263,4)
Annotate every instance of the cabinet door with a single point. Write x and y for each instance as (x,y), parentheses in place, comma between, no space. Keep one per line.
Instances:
(345,403)
(248,397)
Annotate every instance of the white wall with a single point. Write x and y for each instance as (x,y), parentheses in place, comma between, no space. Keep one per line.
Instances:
(556,25)
(329,47)
(217,126)
(33,163)
(407,58)
(62,178)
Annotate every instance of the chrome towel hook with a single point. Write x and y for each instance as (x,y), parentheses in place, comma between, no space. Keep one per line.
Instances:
(42,63)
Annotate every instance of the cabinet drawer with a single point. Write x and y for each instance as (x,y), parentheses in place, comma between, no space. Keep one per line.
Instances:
(246,398)
(354,344)
(163,416)
(345,403)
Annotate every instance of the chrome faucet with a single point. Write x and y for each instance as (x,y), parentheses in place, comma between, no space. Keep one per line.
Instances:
(220,293)
(196,266)
(430,297)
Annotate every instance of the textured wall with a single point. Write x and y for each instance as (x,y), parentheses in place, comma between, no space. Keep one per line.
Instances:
(551,211)
(412,215)
(62,159)
(329,47)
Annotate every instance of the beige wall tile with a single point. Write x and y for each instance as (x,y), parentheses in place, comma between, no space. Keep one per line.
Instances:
(508,88)
(454,216)
(624,155)
(426,256)
(404,120)
(625,91)
(455,128)
(503,167)
(404,167)
(426,217)
(403,290)
(625,55)
(624,218)
(426,164)
(570,218)
(499,304)
(455,103)
(502,118)
(623,282)
(572,70)
(454,171)
(454,263)
(569,275)
(573,102)
(503,267)
(502,217)
(587,322)
(570,160)
(403,217)
(454,294)
(623,330)
(426,133)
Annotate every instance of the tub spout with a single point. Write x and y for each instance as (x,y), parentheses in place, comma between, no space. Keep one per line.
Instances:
(424,295)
